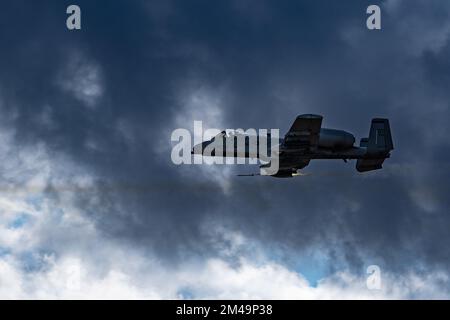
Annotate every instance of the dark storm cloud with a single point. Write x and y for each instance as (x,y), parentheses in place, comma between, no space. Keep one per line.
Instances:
(276,60)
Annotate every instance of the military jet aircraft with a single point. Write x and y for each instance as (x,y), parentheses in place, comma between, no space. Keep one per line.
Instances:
(307,140)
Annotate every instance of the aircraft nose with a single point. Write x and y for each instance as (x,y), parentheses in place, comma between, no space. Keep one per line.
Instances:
(197,149)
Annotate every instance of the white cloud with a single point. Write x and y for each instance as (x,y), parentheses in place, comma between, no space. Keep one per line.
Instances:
(82,78)
(200,103)
(214,278)
(422,29)
(57,251)
(80,263)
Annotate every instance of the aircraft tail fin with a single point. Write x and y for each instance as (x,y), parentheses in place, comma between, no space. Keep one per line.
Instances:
(380,138)
(378,144)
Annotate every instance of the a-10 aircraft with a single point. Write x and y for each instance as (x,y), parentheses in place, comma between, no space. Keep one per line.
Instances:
(307,140)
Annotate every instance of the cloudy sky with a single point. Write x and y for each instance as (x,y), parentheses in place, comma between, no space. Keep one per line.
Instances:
(91,205)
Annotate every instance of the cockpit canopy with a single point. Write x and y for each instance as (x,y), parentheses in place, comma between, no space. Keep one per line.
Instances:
(220,135)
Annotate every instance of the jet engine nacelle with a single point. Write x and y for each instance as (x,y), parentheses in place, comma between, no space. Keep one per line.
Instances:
(335,139)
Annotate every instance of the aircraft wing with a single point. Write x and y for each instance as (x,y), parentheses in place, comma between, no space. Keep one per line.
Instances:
(304,133)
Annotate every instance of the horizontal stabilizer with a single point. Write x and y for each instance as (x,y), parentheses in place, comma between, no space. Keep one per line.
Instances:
(363,165)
